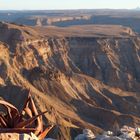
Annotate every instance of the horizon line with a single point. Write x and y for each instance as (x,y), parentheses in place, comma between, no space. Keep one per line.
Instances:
(69,9)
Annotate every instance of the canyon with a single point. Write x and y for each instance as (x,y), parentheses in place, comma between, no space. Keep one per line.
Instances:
(85,76)
(66,18)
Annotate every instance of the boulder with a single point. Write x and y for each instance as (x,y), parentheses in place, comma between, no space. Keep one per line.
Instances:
(127,132)
(137,132)
(9,136)
(108,133)
(87,135)
(17,136)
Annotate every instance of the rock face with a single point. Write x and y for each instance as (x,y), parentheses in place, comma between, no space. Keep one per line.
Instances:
(85,82)
(113,61)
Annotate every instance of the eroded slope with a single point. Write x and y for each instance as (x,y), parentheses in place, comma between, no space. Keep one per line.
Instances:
(89,81)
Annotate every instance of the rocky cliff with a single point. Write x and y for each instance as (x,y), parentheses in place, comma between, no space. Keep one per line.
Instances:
(85,82)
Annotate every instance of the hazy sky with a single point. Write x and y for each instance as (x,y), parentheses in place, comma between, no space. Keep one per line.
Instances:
(67,4)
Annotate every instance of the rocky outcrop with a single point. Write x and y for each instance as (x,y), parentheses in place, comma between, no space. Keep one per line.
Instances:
(51,21)
(125,133)
(87,134)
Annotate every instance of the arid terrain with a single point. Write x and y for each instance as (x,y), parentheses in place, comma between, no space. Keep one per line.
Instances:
(66,18)
(87,76)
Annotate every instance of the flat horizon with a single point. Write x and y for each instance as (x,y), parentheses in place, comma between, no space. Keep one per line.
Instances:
(68,9)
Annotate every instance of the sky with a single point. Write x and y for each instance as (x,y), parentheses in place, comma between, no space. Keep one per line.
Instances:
(67,4)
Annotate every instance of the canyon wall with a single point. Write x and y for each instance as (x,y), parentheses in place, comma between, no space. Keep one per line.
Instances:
(84,82)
